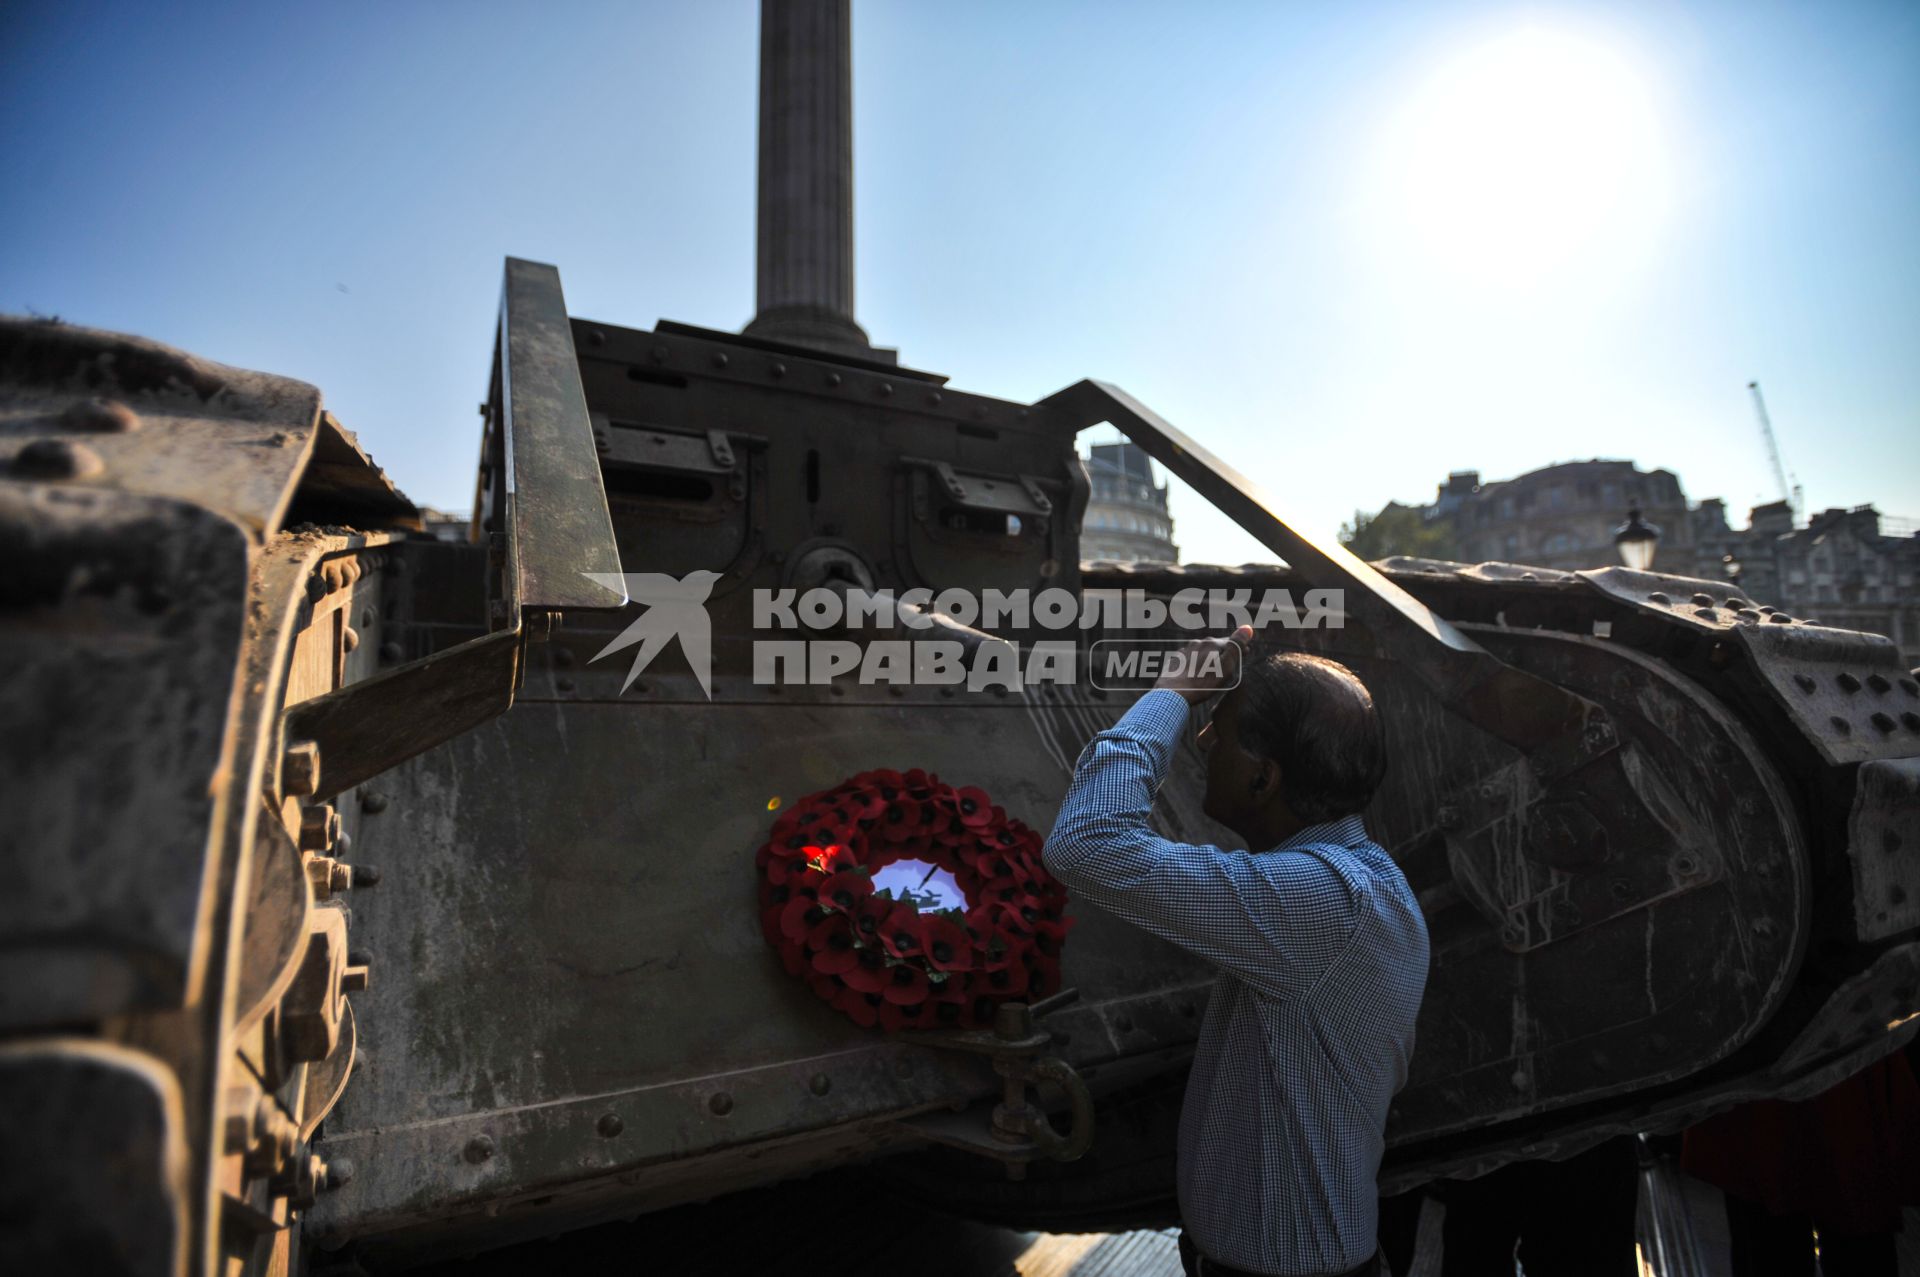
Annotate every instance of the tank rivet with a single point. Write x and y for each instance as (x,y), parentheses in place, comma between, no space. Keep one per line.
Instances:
(479,1148)
(610,1125)
(1841,725)
(57,459)
(1848,683)
(100,416)
(1805,682)
(833,379)
(391,653)
(1878,683)
(778,370)
(719,359)
(596,337)
(1659,596)
(820,1084)
(372,800)
(721,1104)
(1912,720)
(886,388)
(1883,720)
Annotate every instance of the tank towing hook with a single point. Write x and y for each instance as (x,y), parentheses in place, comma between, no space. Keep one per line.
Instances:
(1018,1131)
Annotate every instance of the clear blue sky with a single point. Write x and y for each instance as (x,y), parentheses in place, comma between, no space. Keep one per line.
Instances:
(1349,246)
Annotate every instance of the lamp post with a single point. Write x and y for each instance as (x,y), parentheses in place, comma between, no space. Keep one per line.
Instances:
(1730,564)
(1636,539)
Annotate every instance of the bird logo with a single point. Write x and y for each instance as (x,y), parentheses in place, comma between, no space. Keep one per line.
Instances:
(673,607)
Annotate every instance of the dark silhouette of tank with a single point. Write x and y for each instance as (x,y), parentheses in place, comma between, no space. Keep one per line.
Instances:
(353,902)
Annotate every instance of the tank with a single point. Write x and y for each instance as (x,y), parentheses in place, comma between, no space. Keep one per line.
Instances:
(365,908)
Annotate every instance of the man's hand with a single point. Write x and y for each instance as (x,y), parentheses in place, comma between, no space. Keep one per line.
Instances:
(1208,667)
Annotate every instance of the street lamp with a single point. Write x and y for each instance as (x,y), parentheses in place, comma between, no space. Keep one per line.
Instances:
(1635,540)
(1730,564)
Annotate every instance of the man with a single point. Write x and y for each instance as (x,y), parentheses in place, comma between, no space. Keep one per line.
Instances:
(1320,944)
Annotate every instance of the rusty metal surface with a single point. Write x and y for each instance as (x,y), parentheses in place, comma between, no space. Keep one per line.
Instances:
(367,727)
(557,506)
(121,619)
(94,1179)
(1883,832)
(1504,702)
(161,422)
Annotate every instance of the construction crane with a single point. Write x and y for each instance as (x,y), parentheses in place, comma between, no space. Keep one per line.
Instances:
(1791,495)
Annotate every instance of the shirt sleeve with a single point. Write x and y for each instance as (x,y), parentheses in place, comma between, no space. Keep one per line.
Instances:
(1278,920)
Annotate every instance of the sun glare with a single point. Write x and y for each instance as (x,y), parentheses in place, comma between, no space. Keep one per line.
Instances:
(1527,153)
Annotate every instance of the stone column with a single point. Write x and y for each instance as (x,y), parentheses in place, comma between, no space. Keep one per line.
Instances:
(804,277)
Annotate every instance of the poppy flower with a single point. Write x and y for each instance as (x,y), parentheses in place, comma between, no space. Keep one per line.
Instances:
(831,858)
(902,821)
(862,1008)
(770,925)
(900,933)
(869,971)
(948,947)
(906,983)
(1043,975)
(864,803)
(868,915)
(824,987)
(975,808)
(919,785)
(846,889)
(895,1016)
(799,916)
(831,944)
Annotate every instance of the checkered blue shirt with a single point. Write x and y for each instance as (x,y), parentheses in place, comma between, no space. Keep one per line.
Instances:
(1322,954)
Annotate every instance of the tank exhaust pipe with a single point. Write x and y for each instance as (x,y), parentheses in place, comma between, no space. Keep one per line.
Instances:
(804,258)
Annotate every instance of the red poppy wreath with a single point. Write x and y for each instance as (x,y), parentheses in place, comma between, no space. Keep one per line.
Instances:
(844,901)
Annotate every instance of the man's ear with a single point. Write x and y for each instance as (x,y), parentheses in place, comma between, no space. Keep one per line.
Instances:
(1266,781)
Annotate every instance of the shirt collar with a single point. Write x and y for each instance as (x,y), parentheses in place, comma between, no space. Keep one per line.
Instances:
(1346,831)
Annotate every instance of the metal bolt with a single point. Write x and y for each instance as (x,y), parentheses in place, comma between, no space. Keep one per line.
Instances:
(300,768)
(349,638)
(609,1125)
(339,1171)
(100,416)
(319,827)
(479,1149)
(57,459)
(372,800)
(820,1084)
(721,1104)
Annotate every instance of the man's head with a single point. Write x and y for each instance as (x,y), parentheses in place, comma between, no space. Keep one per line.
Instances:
(1296,743)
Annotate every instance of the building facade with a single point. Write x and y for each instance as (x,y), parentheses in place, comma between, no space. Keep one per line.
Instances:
(1126,518)
(1842,568)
